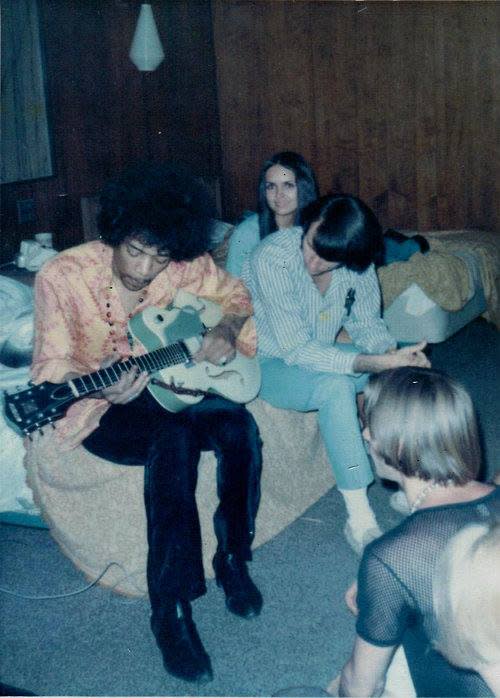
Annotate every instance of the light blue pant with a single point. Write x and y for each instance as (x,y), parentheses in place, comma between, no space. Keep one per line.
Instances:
(333,395)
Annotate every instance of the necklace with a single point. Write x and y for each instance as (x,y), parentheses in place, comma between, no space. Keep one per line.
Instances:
(423,494)
(129,299)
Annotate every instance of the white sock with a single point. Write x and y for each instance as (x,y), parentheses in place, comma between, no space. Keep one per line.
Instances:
(359,511)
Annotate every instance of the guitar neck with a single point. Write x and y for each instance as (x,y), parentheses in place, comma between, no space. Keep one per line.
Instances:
(174,354)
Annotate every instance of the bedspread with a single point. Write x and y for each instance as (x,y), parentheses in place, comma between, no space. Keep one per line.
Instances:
(443,276)
(96,513)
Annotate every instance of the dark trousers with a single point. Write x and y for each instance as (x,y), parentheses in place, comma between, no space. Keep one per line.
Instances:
(169,445)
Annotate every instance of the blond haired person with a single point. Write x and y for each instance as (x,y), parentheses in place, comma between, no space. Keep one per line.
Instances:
(422,434)
(467,601)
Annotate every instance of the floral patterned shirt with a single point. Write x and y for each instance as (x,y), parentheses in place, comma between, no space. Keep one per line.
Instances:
(80,320)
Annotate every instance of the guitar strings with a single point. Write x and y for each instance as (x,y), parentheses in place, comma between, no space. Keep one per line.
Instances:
(156,360)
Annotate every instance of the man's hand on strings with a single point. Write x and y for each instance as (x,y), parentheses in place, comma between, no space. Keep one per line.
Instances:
(127,388)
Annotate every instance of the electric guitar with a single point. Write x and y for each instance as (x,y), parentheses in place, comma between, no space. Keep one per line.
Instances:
(172,335)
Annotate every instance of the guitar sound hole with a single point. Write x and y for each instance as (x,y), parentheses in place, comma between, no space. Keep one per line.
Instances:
(160,318)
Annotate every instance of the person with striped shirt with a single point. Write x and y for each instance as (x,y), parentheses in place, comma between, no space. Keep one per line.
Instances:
(307,284)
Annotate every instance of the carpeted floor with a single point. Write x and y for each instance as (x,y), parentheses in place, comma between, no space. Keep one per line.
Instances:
(97,643)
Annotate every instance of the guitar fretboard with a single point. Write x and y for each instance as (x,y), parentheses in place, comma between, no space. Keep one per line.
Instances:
(171,355)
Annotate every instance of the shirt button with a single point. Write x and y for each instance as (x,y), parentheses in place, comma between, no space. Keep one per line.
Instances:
(111,324)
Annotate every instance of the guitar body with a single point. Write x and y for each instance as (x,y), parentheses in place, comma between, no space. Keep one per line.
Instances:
(170,336)
(186,319)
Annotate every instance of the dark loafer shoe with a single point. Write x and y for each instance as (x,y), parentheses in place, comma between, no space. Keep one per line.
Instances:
(242,596)
(182,650)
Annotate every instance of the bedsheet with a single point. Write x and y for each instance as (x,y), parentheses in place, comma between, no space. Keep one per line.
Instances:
(444,276)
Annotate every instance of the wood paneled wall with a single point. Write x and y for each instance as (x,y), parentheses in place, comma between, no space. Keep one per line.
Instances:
(397,102)
(104,113)
(394,101)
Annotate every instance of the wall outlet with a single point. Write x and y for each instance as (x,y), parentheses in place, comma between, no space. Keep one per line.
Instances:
(26,212)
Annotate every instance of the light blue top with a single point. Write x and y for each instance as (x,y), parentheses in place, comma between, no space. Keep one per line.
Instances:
(298,324)
(244,238)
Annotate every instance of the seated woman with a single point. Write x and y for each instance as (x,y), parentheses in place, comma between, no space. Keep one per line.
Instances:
(286,185)
(422,433)
(466,593)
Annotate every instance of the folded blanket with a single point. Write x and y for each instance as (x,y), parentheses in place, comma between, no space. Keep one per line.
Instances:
(486,246)
(443,276)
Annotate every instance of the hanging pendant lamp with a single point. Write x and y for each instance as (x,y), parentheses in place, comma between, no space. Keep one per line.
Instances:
(146,52)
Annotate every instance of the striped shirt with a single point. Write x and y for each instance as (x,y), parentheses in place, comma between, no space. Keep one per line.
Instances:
(298,324)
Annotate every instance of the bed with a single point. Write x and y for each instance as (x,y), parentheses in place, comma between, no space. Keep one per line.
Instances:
(430,296)
(433,295)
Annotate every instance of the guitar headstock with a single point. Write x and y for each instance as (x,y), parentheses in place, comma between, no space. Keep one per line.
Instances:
(31,408)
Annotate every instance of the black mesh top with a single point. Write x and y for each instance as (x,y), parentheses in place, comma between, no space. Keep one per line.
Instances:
(395,593)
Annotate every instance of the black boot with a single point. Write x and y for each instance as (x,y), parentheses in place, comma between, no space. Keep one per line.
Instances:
(183,653)
(242,596)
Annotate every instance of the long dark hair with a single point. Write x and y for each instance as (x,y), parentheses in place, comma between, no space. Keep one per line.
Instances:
(349,233)
(307,188)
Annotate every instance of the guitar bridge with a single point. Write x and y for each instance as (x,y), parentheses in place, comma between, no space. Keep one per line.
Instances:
(176,389)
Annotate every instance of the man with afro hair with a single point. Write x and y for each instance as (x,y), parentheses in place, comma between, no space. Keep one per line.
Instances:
(156,224)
